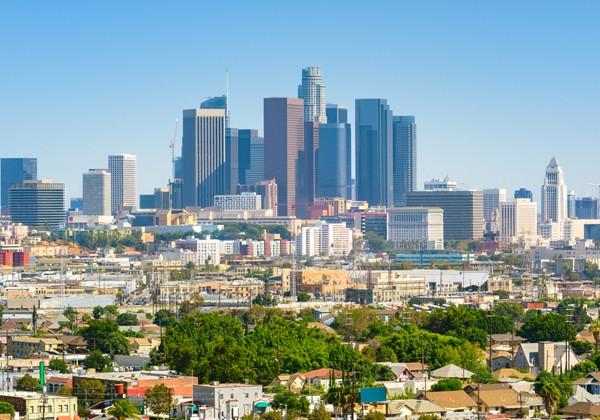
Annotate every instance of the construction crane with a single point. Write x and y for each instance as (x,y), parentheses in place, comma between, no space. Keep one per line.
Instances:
(172,145)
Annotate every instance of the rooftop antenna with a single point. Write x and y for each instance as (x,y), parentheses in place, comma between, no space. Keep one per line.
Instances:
(172,145)
(227,97)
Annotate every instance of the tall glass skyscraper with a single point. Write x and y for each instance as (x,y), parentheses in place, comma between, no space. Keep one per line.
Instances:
(313,92)
(14,171)
(374,152)
(251,156)
(405,158)
(334,163)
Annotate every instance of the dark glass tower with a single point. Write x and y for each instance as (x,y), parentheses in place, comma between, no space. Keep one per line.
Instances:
(14,171)
(405,158)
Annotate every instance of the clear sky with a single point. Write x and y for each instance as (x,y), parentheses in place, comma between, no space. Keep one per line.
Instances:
(497,88)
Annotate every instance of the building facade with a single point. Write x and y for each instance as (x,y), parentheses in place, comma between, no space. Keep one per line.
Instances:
(123,179)
(37,204)
(313,92)
(492,197)
(374,152)
(204,156)
(416,228)
(523,193)
(242,201)
(518,221)
(324,239)
(284,147)
(97,192)
(251,156)
(554,194)
(405,158)
(586,208)
(463,211)
(14,171)
(267,189)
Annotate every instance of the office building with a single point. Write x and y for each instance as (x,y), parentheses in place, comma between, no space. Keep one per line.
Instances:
(267,190)
(76,203)
(334,164)
(554,194)
(162,198)
(123,178)
(203,251)
(97,192)
(523,193)
(313,92)
(284,145)
(440,185)
(416,228)
(463,211)
(177,168)
(586,208)
(374,221)
(405,158)
(571,197)
(242,201)
(307,170)
(14,171)
(324,239)
(147,201)
(204,155)
(518,222)
(231,160)
(251,156)
(492,197)
(374,152)
(176,187)
(39,204)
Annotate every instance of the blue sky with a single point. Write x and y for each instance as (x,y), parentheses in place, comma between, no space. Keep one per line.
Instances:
(497,88)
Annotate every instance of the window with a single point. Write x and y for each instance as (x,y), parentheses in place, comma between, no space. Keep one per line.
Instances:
(67,408)
(246,395)
(60,408)
(231,396)
(49,409)
(32,409)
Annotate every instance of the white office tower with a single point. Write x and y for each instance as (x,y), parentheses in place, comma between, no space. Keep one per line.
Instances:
(416,228)
(96,192)
(237,202)
(518,223)
(324,239)
(203,251)
(312,90)
(123,170)
(492,197)
(554,194)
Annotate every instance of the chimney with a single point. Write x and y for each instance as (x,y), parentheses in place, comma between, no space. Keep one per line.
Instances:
(546,355)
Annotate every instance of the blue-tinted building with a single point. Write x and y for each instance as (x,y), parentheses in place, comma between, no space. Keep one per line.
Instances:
(251,156)
(374,152)
(147,201)
(14,171)
(586,208)
(76,203)
(405,158)
(334,159)
(38,204)
(523,193)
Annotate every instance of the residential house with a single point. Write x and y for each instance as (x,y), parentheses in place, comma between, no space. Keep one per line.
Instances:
(406,371)
(31,405)
(451,371)
(74,344)
(506,342)
(142,345)
(26,346)
(582,410)
(452,401)
(413,409)
(496,400)
(545,355)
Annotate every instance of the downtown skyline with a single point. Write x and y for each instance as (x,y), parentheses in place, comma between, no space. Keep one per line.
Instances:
(461,89)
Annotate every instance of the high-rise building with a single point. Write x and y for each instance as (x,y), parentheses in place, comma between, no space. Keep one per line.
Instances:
(284,147)
(523,193)
(37,203)
(518,221)
(374,152)
(307,170)
(571,198)
(463,211)
(324,239)
(147,201)
(586,208)
(416,228)
(204,156)
(334,164)
(14,171)
(313,92)
(96,192)
(405,158)
(554,194)
(267,189)
(76,203)
(231,159)
(123,178)
(256,171)
(436,184)
(492,197)
(162,198)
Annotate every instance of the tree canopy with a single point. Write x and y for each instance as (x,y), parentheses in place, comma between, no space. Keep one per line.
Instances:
(104,335)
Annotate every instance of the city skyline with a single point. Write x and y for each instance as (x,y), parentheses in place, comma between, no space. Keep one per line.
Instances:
(487,79)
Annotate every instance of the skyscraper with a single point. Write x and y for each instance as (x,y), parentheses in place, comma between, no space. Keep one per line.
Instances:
(374,152)
(554,194)
(231,160)
(123,175)
(571,198)
(284,144)
(38,204)
(586,208)
(492,197)
(405,158)
(267,189)
(518,221)
(307,170)
(97,192)
(251,156)
(14,171)
(312,91)
(334,165)
(523,193)
(204,156)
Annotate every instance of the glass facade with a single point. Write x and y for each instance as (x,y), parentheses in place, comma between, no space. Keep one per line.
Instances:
(14,171)
(405,158)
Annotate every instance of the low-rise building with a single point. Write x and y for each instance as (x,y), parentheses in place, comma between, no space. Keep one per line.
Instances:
(33,405)
(226,401)
(25,346)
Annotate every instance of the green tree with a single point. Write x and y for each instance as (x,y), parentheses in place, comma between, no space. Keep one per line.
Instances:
(319,413)
(547,327)
(582,369)
(59,365)
(71,314)
(450,384)
(264,299)
(595,330)
(7,408)
(374,415)
(296,405)
(96,360)
(27,383)
(104,335)
(98,312)
(303,297)
(580,347)
(377,244)
(90,392)
(555,390)
(159,399)
(511,310)
(164,318)
(123,409)
(127,319)
(193,304)
(272,415)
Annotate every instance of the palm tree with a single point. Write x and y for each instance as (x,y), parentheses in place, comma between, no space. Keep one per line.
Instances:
(123,409)
(595,330)
(551,395)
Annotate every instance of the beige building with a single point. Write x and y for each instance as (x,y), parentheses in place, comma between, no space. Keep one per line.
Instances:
(30,405)
(518,222)
(323,281)
(23,347)
(387,286)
